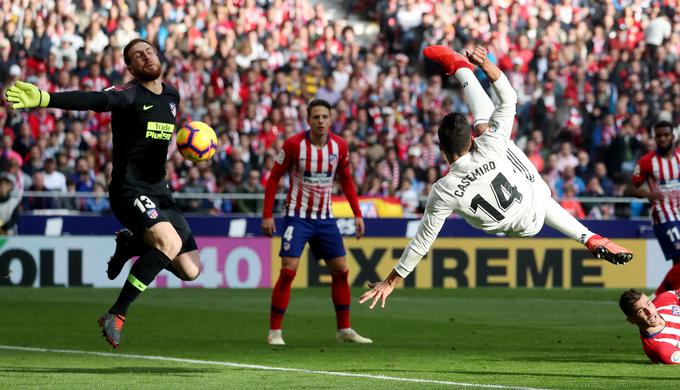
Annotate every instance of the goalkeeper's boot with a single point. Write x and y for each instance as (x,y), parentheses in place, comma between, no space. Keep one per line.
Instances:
(351,336)
(122,254)
(447,58)
(112,326)
(603,248)
(275,337)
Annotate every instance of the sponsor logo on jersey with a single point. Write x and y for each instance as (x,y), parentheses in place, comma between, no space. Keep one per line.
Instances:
(146,108)
(173,109)
(159,130)
(675,310)
(317,177)
(152,213)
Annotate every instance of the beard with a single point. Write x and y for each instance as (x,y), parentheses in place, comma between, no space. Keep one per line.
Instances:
(145,74)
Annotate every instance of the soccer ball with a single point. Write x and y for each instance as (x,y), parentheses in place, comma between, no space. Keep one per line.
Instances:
(197,141)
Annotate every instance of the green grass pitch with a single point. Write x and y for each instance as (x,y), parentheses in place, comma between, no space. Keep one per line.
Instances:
(499,338)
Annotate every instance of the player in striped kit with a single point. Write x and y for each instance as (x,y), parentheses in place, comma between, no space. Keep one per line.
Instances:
(660,170)
(491,183)
(312,159)
(659,323)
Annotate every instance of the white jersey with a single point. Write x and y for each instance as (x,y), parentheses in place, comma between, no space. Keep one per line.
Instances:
(495,187)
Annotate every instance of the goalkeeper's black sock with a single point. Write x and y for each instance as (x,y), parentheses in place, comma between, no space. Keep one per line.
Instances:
(143,272)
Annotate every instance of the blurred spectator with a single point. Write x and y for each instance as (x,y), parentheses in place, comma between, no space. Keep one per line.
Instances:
(570,203)
(408,198)
(390,170)
(624,151)
(53,179)
(565,158)
(569,179)
(533,152)
(250,186)
(583,170)
(606,183)
(193,185)
(592,209)
(83,177)
(9,205)
(39,202)
(100,202)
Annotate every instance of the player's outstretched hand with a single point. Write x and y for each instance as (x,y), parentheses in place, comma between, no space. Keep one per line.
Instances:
(26,95)
(359,227)
(478,56)
(268,226)
(379,292)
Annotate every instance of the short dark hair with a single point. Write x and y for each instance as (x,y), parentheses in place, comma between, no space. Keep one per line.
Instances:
(317,102)
(663,124)
(628,299)
(126,50)
(454,133)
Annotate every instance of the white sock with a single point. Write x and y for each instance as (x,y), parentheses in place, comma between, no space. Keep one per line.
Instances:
(479,102)
(558,218)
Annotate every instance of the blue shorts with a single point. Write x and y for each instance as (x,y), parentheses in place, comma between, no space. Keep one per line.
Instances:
(322,235)
(668,235)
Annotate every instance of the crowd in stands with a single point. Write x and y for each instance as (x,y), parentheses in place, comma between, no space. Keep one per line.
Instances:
(592,78)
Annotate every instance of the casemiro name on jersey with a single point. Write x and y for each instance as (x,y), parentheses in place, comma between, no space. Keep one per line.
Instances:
(472,176)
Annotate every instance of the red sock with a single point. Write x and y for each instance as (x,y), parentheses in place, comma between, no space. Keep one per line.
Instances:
(341,299)
(280,298)
(671,281)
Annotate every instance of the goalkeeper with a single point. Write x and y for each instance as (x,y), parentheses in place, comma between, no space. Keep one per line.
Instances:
(143,114)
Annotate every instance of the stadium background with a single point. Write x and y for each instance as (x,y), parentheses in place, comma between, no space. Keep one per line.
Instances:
(591,78)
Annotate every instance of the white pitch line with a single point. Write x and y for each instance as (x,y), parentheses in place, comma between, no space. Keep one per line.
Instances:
(260,367)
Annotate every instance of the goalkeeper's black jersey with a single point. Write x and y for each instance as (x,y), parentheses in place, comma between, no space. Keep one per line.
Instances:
(143,124)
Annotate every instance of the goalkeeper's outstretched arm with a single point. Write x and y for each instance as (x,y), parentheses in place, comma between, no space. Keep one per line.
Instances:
(27,95)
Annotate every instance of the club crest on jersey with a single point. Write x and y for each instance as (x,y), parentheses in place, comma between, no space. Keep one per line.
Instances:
(281,156)
(152,213)
(675,357)
(173,109)
(675,310)
(333,158)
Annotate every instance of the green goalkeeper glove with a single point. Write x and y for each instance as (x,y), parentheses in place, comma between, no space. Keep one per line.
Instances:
(27,95)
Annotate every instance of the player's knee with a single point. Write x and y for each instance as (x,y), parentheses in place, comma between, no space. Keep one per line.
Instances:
(290,263)
(191,273)
(170,244)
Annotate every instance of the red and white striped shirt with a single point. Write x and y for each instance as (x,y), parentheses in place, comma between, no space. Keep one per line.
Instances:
(664,346)
(312,170)
(663,174)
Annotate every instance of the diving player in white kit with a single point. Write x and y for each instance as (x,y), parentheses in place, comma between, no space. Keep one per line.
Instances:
(491,183)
